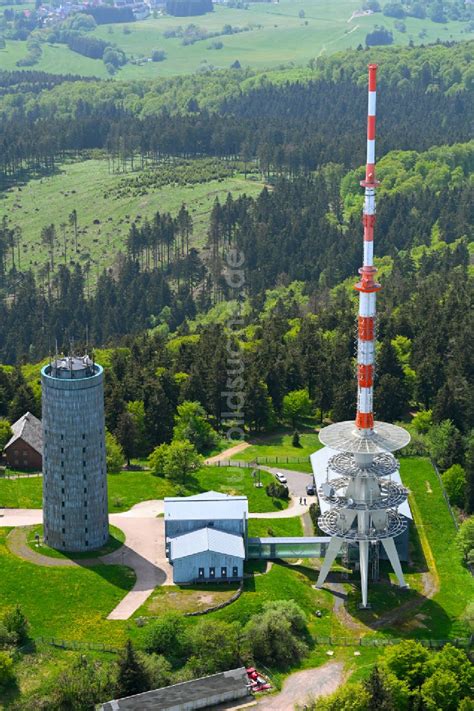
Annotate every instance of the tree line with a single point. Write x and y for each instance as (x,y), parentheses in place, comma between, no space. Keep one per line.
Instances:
(294,127)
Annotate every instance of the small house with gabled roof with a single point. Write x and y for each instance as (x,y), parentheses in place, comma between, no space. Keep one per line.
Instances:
(24,449)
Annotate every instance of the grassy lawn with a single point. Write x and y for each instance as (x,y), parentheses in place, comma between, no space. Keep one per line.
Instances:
(263,528)
(116,540)
(238,480)
(129,488)
(191,598)
(439,617)
(70,603)
(279,446)
(276,35)
(88,187)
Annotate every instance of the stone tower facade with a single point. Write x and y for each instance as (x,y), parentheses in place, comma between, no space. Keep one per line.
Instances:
(74,468)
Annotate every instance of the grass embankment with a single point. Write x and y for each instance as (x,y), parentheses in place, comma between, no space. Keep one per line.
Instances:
(279,446)
(277,35)
(106,204)
(440,616)
(116,540)
(69,603)
(267,527)
(129,488)
(440,585)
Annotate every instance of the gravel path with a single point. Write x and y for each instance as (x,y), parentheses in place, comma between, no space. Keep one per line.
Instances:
(227,453)
(17,544)
(305,685)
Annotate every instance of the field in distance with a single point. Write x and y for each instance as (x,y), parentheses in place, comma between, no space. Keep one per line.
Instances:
(107,203)
(275,33)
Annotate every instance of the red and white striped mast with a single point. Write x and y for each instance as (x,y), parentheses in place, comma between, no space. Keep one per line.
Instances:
(363,498)
(367,286)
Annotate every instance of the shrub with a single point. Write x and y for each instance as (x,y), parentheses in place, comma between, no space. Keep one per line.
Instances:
(274,637)
(314,512)
(114,454)
(277,491)
(214,647)
(166,636)
(378,37)
(7,675)
(158,55)
(465,537)
(454,480)
(16,624)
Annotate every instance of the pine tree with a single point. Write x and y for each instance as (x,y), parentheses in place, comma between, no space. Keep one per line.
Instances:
(469,469)
(131,677)
(380,698)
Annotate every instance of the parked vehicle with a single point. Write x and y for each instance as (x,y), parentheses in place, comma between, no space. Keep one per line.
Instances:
(310,490)
(281,478)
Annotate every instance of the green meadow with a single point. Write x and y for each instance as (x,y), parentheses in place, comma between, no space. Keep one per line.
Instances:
(277,35)
(106,203)
(131,487)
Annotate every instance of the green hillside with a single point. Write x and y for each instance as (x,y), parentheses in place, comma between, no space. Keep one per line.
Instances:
(107,203)
(275,34)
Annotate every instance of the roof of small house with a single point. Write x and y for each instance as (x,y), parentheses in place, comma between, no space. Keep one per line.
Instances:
(210,505)
(29,429)
(207,539)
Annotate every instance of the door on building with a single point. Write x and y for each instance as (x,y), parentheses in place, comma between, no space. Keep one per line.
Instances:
(235,572)
(223,572)
(201,572)
(212,573)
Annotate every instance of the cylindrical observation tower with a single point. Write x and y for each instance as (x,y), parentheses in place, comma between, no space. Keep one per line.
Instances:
(74,468)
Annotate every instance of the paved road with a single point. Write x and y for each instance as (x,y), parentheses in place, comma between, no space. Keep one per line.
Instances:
(20,517)
(302,686)
(144,551)
(297,481)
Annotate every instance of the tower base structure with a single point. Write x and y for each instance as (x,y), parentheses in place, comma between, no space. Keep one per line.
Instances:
(364,499)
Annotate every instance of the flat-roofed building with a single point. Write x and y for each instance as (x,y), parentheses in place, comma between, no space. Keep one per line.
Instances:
(206,536)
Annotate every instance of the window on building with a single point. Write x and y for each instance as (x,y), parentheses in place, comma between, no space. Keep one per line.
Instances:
(83,436)
(62,463)
(62,450)
(84,463)
(223,572)
(62,436)
(201,572)
(212,573)
(235,572)
(62,477)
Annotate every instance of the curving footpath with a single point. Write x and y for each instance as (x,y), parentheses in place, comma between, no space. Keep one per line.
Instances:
(143,550)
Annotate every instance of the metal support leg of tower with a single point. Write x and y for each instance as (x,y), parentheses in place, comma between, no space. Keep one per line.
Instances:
(390,549)
(364,569)
(333,549)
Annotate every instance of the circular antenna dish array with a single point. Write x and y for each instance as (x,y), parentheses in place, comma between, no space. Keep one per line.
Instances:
(345,437)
